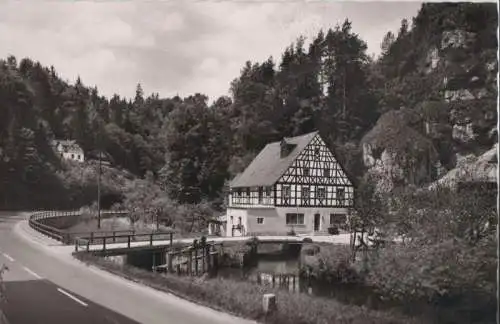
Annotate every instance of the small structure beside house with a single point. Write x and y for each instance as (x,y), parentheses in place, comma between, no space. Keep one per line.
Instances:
(96,155)
(293,185)
(217,226)
(68,150)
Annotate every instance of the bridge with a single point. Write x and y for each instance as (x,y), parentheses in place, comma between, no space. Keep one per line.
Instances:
(106,243)
(129,240)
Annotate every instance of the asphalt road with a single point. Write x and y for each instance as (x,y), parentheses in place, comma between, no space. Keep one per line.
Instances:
(45,284)
(41,302)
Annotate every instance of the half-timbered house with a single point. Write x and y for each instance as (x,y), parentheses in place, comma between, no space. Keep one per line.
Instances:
(295,184)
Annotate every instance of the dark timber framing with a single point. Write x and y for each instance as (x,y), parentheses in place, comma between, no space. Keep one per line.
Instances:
(314,179)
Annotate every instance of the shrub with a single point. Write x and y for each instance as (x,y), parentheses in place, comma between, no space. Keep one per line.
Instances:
(310,249)
(463,276)
(3,269)
(307,240)
(330,262)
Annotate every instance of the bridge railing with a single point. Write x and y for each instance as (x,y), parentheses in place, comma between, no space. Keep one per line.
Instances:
(116,237)
(38,221)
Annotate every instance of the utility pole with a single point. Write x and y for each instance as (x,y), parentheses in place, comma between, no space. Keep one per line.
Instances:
(99,193)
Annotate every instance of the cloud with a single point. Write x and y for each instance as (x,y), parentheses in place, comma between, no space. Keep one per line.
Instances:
(173,47)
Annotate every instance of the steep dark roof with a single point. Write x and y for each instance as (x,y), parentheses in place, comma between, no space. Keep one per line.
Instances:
(269,166)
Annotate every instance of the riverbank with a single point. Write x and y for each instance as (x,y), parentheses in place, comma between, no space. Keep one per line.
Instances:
(244,299)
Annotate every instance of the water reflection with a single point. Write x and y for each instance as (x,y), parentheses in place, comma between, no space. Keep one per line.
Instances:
(283,271)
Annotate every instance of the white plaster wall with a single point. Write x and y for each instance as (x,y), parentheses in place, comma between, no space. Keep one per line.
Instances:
(236,213)
(67,156)
(275,220)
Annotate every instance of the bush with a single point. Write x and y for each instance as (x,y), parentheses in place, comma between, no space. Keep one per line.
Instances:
(310,249)
(448,256)
(331,263)
(463,276)
(245,299)
(3,269)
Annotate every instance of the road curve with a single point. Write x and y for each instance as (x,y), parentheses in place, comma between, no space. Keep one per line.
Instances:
(45,277)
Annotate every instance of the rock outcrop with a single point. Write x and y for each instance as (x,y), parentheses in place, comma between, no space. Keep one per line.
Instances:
(470,168)
(396,153)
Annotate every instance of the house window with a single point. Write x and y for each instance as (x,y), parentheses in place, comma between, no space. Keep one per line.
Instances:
(321,193)
(78,156)
(268,191)
(340,195)
(326,173)
(260,195)
(305,195)
(286,194)
(72,156)
(306,172)
(295,219)
(260,220)
(248,192)
(337,219)
(316,153)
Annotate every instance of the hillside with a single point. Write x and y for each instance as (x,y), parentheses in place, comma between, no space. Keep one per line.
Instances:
(437,72)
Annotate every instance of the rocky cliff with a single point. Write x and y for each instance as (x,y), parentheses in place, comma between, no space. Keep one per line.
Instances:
(441,98)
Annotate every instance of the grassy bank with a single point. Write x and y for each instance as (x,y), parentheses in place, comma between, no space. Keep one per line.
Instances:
(244,299)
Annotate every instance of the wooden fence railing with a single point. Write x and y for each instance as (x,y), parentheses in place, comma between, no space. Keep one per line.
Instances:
(118,237)
(38,221)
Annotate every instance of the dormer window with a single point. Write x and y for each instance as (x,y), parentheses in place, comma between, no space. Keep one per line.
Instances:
(285,148)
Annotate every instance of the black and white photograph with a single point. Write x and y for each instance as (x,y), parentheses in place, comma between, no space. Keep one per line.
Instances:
(248,162)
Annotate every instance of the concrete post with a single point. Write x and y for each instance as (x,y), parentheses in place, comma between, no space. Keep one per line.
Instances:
(190,262)
(169,262)
(196,261)
(269,303)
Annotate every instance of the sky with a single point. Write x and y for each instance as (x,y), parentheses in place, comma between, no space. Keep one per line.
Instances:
(176,47)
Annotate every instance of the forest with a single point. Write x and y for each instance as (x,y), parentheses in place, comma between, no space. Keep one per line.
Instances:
(190,148)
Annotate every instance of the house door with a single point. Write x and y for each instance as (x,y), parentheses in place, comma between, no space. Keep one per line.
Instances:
(317,219)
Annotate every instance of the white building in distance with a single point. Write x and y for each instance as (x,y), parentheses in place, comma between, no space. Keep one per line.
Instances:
(68,150)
